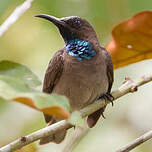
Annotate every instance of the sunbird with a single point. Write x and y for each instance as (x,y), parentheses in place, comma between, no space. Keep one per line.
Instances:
(82,70)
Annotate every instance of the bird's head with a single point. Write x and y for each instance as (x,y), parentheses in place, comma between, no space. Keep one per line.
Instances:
(73,27)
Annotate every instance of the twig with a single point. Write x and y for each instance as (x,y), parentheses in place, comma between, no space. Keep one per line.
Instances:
(25,140)
(136,142)
(75,139)
(127,87)
(14,16)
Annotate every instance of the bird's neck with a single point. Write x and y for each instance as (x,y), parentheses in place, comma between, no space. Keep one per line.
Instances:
(80,49)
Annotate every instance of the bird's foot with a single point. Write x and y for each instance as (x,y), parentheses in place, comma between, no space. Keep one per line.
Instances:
(102,114)
(107,96)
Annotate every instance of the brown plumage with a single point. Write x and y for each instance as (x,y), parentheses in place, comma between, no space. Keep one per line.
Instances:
(82,82)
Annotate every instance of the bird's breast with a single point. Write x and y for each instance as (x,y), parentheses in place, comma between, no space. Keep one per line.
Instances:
(82,83)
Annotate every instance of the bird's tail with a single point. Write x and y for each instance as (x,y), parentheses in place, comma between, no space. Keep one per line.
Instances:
(57,137)
(93,118)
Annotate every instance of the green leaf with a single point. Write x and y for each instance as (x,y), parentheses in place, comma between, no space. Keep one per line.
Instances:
(14,86)
(51,100)
(76,119)
(18,71)
(12,89)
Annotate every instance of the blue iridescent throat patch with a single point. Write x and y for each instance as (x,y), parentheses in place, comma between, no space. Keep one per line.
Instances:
(80,49)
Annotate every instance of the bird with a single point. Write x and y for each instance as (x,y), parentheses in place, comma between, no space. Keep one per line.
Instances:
(82,70)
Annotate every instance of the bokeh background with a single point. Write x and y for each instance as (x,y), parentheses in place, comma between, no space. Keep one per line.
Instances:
(32,42)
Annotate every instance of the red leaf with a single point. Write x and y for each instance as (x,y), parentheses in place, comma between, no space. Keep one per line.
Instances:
(132,40)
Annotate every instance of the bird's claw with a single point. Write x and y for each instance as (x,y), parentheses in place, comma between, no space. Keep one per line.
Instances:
(107,96)
(103,115)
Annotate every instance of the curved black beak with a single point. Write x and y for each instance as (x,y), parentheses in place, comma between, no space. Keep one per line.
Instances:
(52,19)
(64,29)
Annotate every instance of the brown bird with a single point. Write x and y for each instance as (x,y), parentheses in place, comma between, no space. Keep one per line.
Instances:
(82,70)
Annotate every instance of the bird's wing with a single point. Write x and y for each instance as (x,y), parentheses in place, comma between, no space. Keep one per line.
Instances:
(109,70)
(53,71)
(93,118)
(52,75)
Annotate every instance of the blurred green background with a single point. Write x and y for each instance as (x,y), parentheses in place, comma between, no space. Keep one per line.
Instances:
(32,41)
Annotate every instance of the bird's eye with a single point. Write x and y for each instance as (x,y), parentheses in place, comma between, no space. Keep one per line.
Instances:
(76,23)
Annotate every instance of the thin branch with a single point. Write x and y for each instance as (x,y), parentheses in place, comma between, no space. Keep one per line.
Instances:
(127,87)
(15,16)
(136,142)
(25,140)
(75,139)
